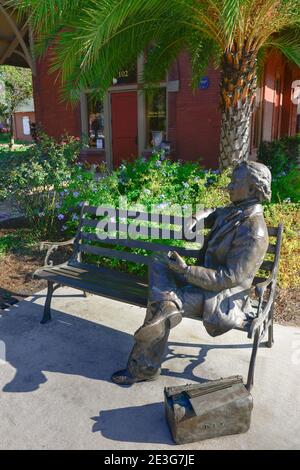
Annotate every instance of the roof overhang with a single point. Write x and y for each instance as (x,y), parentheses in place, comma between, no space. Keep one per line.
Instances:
(15,39)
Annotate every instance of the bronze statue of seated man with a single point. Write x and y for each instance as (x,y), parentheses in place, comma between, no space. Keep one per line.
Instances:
(216,291)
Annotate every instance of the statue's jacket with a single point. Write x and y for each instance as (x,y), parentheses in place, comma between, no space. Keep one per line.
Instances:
(233,253)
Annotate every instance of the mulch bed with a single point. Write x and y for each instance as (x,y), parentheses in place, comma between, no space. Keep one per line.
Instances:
(16,283)
(287,307)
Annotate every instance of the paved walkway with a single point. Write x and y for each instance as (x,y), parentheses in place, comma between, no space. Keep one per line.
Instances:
(56,391)
(8,210)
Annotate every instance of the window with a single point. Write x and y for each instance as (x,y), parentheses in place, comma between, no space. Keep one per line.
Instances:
(95,123)
(156,114)
(26,125)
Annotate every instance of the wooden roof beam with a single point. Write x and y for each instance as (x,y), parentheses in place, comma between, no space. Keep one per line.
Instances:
(19,39)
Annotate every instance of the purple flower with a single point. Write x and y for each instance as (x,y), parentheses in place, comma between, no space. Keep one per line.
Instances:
(75,193)
(60,216)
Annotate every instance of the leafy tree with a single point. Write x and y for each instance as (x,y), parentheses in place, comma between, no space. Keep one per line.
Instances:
(93,39)
(17,88)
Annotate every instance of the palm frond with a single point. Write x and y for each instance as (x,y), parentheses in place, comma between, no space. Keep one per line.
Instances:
(230,16)
(288,42)
(93,39)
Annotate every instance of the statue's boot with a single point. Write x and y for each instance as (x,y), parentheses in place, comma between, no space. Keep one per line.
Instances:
(167,315)
(124,377)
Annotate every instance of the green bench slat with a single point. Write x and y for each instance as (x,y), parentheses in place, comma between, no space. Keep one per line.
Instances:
(273,231)
(107,252)
(145,231)
(137,216)
(267,265)
(150,246)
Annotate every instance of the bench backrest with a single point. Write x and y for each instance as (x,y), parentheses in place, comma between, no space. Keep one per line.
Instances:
(270,264)
(156,226)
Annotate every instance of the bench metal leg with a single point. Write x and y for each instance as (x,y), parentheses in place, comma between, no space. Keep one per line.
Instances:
(271,331)
(47,311)
(250,380)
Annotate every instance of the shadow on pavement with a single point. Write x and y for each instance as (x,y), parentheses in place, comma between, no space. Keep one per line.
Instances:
(140,424)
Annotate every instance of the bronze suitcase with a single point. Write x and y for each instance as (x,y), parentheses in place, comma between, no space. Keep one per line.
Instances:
(212,409)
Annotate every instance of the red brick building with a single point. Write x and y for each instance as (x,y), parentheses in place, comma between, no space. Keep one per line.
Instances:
(120,126)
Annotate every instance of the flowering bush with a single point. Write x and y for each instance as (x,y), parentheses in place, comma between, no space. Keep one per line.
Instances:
(35,178)
(280,155)
(153,182)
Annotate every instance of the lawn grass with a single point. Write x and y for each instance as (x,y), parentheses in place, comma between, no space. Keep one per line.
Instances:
(15,241)
(19,146)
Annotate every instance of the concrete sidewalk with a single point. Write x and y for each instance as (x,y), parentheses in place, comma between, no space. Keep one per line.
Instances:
(8,211)
(56,391)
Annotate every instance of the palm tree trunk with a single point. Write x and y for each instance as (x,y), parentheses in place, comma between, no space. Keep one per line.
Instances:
(238,87)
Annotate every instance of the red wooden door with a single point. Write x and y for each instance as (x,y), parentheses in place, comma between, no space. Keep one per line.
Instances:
(124,126)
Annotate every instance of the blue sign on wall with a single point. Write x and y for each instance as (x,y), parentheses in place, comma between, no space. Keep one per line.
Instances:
(204,83)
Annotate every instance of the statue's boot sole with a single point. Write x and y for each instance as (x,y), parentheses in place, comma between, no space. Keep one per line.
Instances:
(123,377)
(155,329)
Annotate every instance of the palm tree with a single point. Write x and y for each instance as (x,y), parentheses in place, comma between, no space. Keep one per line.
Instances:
(93,39)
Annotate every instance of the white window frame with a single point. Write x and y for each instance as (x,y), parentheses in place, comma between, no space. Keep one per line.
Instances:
(171,86)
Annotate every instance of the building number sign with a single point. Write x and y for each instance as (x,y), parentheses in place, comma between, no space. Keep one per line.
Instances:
(123,74)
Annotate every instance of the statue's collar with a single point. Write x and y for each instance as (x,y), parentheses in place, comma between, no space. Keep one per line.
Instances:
(248,207)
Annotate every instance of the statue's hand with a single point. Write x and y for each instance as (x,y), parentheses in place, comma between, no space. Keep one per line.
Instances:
(176,263)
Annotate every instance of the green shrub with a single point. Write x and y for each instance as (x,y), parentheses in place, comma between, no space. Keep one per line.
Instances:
(287,187)
(280,155)
(153,182)
(36,177)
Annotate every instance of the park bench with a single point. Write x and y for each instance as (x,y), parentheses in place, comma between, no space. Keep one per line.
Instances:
(132,289)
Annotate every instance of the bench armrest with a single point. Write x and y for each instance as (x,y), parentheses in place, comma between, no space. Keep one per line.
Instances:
(261,286)
(263,311)
(44,245)
(53,246)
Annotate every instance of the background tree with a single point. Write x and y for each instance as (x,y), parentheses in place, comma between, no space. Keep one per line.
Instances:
(16,88)
(93,39)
